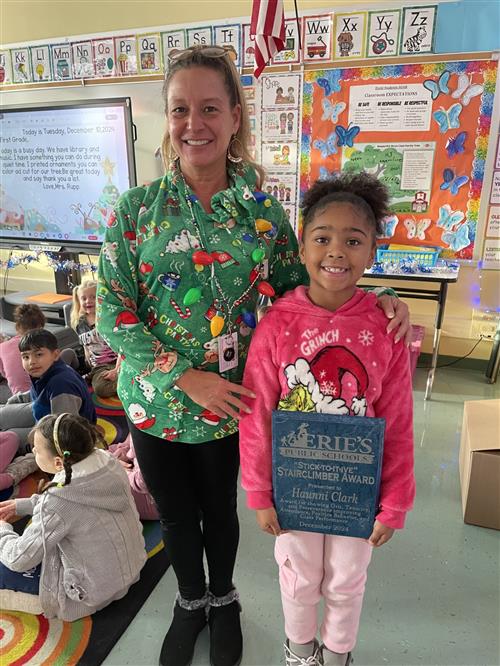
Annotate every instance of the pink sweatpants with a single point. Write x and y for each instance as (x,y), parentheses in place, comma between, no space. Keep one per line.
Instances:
(312,566)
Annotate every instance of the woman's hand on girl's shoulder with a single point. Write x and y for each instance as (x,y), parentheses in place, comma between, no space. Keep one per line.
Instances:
(268,521)
(380,535)
(7,510)
(397,311)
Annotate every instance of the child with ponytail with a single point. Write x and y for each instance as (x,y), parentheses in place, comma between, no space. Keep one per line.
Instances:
(84,546)
(102,362)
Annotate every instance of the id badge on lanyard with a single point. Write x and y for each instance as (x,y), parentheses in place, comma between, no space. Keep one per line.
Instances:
(228,351)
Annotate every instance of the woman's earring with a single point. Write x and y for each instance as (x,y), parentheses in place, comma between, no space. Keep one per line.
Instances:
(230,156)
(172,158)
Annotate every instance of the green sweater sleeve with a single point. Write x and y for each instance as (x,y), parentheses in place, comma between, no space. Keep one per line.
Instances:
(119,317)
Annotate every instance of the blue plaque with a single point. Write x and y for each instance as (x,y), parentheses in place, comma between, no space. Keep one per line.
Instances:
(326,472)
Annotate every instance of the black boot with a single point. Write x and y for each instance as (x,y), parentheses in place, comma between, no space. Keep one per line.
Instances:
(189,620)
(226,640)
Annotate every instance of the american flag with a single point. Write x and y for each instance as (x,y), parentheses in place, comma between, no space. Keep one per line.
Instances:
(268,28)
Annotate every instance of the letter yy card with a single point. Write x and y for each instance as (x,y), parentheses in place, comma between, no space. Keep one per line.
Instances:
(326,472)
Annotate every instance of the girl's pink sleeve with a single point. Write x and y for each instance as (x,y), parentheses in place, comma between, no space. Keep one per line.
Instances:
(261,376)
(397,488)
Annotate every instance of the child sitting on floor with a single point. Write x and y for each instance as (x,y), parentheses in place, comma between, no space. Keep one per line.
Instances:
(84,546)
(55,387)
(26,318)
(102,361)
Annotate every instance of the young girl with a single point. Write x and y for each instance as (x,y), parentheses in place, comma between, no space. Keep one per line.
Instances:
(325,349)
(84,545)
(102,361)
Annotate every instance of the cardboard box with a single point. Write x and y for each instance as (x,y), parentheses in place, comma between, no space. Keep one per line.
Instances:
(480,463)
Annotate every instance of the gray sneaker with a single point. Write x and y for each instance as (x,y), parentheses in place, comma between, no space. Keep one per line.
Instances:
(334,659)
(291,659)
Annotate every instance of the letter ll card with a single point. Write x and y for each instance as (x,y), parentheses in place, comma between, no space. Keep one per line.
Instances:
(228,352)
(326,472)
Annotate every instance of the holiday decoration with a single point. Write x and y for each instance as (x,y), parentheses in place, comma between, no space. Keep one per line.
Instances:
(53,259)
(263,225)
(258,255)
(192,296)
(265,289)
(216,325)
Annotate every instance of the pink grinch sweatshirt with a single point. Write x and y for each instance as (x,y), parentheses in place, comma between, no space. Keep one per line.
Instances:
(305,358)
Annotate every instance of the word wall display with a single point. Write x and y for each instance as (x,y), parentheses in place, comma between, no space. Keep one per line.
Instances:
(325,38)
(279,132)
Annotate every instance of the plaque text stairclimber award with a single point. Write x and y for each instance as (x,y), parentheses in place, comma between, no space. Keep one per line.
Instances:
(326,472)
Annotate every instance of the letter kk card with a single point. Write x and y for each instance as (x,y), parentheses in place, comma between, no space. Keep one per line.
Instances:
(326,472)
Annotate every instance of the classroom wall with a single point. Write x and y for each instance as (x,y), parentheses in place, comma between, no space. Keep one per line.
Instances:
(463,26)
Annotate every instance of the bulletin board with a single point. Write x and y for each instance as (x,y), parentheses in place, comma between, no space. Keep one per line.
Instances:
(422,129)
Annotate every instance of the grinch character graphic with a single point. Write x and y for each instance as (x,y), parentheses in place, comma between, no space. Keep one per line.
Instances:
(322,385)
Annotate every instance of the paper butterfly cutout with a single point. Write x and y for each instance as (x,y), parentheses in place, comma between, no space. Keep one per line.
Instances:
(448,118)
(449,218)
(452,183)
(346,135)
(456,144)
(466,89)
(389,225)
(325,174)
(331,111)
(417,228)
(441,86)
(330,84)
(327,147)
(457,239)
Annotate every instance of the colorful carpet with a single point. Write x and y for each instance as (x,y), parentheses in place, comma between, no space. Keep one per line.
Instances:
(32,640)
(111,419)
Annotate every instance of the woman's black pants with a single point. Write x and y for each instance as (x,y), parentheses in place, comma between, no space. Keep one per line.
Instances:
(188,481)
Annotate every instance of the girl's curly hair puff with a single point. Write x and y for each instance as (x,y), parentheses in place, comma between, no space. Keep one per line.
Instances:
(362,190)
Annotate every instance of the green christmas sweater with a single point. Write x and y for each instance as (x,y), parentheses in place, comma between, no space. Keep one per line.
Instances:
(166,269)
(158,293)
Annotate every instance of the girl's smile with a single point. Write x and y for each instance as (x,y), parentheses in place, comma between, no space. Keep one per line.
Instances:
(337,246)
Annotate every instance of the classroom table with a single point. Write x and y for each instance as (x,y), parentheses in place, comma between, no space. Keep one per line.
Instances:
(420,289)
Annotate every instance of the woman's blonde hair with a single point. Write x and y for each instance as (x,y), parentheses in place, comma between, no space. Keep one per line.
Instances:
(77,306)
(195,57)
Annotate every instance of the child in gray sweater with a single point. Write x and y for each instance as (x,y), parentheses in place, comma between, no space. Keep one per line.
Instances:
(84,546)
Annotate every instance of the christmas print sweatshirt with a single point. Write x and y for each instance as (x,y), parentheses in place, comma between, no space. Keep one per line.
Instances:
(161,265)
(305,358)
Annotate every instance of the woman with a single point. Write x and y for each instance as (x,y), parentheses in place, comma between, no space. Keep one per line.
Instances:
(183,264)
